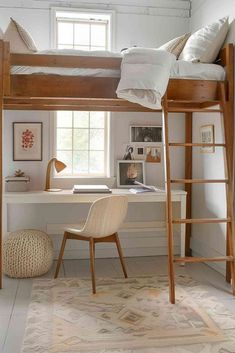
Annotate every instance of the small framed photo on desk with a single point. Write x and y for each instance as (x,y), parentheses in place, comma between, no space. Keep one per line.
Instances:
(130,171)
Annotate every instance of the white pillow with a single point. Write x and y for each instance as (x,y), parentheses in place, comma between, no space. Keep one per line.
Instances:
(204,45)
(176,45)
(20,39)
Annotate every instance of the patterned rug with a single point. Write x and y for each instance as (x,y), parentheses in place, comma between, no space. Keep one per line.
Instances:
(126,316)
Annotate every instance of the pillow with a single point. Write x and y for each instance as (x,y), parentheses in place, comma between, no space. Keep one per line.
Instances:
(176,45)
(204,45)
(20,40)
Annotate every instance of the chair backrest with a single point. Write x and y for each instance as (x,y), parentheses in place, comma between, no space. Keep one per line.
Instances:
(105,216)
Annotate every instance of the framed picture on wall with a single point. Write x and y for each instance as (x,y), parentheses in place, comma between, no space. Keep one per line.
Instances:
(130,171)
(146,134)
(153,155)
(27,141)
(207,136)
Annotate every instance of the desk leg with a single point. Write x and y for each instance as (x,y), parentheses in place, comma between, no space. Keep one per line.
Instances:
(182,226)
(4,220)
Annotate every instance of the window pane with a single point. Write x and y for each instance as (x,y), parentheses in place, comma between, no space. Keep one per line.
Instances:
(80,137)
(97,139)
(66,157)
(97,119)
(64,119)
(96,162)
(81,33)
(98,35)
(65,33)
(64,139)
(80,162)
(81,119)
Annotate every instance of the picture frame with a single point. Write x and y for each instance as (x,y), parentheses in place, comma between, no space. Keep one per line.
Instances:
(129,152)
(207,135)
(27,141)
(153,154)
(129,171)
(146,134)
(139,152)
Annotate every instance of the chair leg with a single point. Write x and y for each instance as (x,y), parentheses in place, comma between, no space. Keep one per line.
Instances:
(92,264)
(117,241)
(60,255)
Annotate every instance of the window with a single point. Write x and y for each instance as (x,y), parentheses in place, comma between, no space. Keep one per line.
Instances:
(81,142)
(82,137)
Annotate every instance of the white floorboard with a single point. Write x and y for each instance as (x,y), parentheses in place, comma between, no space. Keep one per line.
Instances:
(15,295)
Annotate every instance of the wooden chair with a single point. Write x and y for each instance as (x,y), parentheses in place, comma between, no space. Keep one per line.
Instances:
(104,219)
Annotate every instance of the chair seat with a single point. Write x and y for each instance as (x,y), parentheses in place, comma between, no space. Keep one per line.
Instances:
(103,221)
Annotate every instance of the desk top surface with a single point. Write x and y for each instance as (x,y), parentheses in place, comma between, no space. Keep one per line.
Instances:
(67,196)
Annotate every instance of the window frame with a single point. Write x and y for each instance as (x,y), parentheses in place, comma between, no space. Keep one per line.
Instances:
(112,23)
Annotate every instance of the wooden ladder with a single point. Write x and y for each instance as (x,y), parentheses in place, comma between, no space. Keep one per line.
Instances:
(228,146)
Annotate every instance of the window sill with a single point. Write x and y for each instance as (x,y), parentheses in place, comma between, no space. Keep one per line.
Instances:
(67,182)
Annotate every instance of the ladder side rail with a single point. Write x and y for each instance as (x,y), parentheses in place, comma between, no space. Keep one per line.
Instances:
(228,133)
(169,224)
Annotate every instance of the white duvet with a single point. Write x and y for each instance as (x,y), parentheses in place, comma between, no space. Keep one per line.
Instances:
(144,76)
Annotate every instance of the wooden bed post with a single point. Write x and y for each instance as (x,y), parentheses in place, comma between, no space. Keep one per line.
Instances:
(228,129)
(230,117)
(188,175)
(169,225)
(1,134)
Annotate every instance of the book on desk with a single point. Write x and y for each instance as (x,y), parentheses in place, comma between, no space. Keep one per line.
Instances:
(91,189)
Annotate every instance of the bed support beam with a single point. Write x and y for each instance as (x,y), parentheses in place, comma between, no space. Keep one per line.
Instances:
(1,150)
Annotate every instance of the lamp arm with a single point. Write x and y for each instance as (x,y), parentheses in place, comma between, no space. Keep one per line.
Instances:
(48,174)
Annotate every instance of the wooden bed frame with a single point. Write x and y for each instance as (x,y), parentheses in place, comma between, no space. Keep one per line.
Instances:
(54,92)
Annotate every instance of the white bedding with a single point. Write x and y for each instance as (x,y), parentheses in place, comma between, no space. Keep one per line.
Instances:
(180,69)
(198,71)
(145,73)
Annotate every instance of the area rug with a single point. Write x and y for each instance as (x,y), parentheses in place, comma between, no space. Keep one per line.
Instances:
(126,316)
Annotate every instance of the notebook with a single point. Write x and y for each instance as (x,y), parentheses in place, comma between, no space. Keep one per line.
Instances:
(91,189)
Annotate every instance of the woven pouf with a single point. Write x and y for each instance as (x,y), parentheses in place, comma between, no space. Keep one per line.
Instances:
(27,253)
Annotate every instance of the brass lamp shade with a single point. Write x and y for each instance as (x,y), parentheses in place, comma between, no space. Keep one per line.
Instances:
(59,166)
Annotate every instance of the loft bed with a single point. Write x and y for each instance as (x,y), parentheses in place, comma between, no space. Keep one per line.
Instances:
(59,92)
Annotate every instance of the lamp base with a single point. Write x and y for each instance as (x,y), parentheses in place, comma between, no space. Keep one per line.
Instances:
(53,190)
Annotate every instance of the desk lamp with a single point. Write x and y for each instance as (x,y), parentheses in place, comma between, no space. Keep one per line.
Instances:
(59,166)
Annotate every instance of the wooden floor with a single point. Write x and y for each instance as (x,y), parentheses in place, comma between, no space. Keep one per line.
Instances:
(15,297)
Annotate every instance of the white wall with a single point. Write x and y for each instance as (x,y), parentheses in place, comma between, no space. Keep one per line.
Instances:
(209,200)
(149,25)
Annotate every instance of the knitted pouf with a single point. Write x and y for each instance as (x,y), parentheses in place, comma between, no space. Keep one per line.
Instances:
(27,253)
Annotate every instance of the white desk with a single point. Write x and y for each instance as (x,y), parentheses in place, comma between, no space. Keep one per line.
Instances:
(66,196)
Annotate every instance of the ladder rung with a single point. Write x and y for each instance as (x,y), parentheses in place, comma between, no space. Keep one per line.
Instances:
(176,144)
(201,220)
(203,259)
(198,181)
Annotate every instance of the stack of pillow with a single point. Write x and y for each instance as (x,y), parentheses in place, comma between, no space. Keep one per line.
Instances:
(202,46)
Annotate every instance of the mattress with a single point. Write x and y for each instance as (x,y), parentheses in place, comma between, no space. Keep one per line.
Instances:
(180,69)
